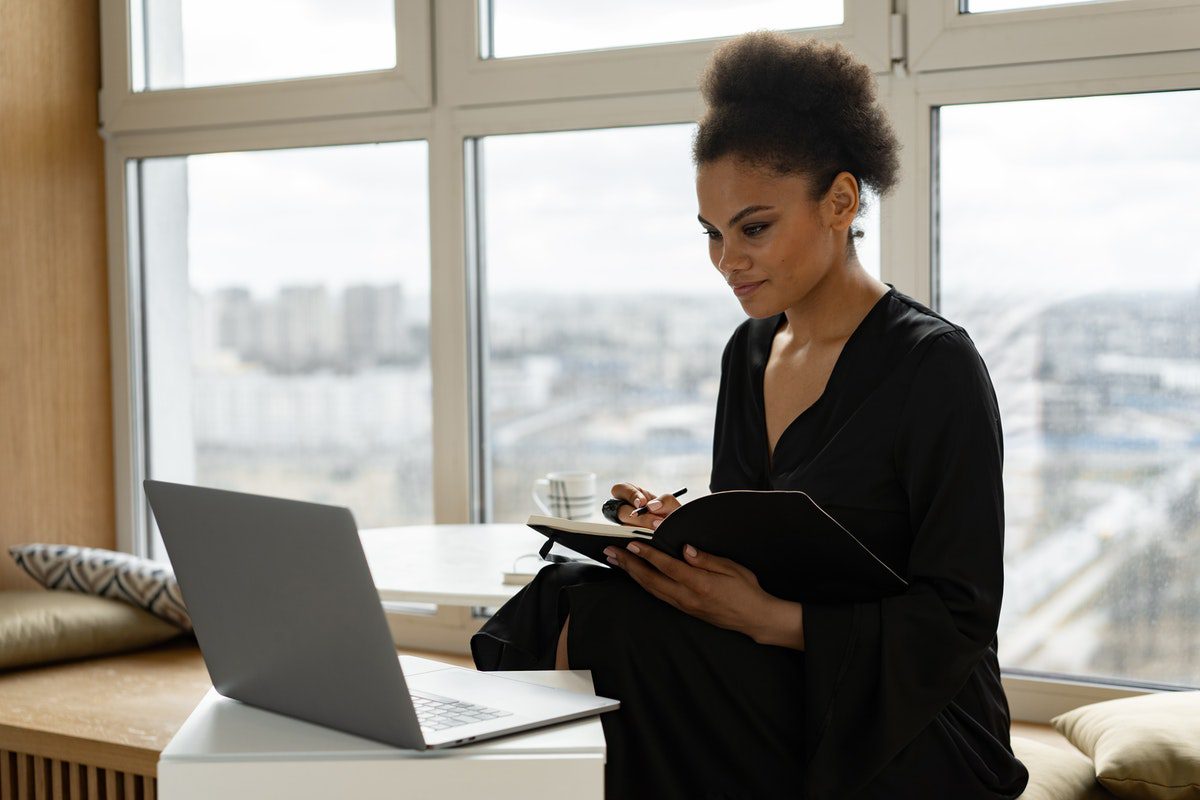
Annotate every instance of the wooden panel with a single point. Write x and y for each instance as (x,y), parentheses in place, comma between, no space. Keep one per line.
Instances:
(56,473)
(95,778)
(8,778)
(24,765)
(40,789)
(115,712)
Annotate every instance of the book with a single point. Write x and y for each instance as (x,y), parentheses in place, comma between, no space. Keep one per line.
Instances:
(796,549)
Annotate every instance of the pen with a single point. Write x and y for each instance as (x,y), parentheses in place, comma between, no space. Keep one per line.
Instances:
(637,512)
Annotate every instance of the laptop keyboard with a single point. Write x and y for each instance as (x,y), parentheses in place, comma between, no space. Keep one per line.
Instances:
(436,713)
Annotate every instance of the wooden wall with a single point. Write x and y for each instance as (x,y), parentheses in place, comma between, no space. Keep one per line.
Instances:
(56,471)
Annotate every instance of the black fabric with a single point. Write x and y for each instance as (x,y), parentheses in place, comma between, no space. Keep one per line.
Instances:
(898,698)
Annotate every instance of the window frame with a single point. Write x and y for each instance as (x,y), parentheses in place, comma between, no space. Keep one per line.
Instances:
(465,79)
(406,86)
(940,37)
(1033,696)
(954,61)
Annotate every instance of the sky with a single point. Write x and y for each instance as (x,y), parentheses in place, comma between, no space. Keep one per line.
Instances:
(1101,193)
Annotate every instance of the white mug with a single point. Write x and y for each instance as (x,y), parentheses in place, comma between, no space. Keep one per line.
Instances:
(569,495)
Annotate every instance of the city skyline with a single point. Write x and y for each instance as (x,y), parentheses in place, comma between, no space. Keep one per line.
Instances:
(1102,462)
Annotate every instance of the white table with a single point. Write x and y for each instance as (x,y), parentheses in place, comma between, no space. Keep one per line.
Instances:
(457,565)
(231,751)
(455,568)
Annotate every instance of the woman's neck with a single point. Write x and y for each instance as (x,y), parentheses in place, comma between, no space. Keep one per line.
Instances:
(835,305)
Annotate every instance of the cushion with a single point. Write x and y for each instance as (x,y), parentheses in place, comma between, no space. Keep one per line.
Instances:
(120,576)
(39,626)
(1142,747)
(1056,773)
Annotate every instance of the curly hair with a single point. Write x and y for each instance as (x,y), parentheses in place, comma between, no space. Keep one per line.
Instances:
(796,107)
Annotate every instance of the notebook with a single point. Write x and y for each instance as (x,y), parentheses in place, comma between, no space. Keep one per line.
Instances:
(795,548)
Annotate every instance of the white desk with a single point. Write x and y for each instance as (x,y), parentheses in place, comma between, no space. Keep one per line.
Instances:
(454,567)
(231,751)
(457,565)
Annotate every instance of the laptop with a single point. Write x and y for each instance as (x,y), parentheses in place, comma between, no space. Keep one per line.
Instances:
(288,619)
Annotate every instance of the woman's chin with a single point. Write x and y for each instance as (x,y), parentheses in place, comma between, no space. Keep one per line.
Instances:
(759,308)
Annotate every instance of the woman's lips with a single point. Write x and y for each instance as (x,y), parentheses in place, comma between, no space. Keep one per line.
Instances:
(743,289)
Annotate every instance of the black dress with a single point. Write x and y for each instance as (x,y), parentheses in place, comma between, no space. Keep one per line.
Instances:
(898,698)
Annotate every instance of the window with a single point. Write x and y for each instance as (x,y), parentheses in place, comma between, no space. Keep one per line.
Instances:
(1065,254)
(190,43)
(959,34)
(605,318)
(331,282)
(977,6)
(533,27)
(287,325)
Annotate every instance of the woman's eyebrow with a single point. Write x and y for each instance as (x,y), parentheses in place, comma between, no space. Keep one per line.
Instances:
(734,219)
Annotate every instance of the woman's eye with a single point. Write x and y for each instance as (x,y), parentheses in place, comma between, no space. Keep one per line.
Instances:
(755,230)
(712,235)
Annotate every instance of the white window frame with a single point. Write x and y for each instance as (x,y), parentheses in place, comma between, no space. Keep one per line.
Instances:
(465,79)
(406,86)
(629,86)
(940,37)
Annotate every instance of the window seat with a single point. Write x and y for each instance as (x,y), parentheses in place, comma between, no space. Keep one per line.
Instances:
(83,728)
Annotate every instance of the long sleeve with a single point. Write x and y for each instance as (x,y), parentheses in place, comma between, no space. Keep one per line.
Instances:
(878,674)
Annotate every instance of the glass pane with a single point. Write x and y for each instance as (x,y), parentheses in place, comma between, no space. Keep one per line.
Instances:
(534,27)
(606,319)
(287,325)
(1068,255)
(977,6)
(214,42)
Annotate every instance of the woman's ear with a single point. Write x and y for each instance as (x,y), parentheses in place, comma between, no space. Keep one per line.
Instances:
(841,202)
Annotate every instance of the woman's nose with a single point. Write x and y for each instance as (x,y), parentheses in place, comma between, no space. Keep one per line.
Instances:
(731,261)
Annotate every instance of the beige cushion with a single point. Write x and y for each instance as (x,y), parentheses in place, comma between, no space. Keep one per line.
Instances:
(39,626)
(1056,773)
(1142,747)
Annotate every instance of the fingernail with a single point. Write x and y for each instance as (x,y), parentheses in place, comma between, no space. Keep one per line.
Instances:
(656,523)
(613,561)
(610,551)
(633,548)
(654,505)
(691,551)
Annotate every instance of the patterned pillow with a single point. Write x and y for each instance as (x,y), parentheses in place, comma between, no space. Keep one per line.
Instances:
(105,573)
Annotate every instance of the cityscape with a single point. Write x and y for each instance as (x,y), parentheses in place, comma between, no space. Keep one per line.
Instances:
(326,394)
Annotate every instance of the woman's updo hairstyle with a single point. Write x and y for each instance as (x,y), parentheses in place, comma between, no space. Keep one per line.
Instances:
(796,107)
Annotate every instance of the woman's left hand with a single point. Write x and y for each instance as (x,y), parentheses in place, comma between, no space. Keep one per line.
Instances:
(711,588)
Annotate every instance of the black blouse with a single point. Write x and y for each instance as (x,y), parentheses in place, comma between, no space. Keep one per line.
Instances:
(898,698)
(904,447)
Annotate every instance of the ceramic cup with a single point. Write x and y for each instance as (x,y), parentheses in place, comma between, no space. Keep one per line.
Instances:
(569,495)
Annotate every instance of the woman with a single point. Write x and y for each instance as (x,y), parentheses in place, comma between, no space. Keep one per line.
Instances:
(840,386)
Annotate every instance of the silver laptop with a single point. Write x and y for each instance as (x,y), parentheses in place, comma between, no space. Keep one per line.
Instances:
(288,619)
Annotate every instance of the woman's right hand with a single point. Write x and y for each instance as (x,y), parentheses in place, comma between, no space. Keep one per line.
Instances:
(660,506)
